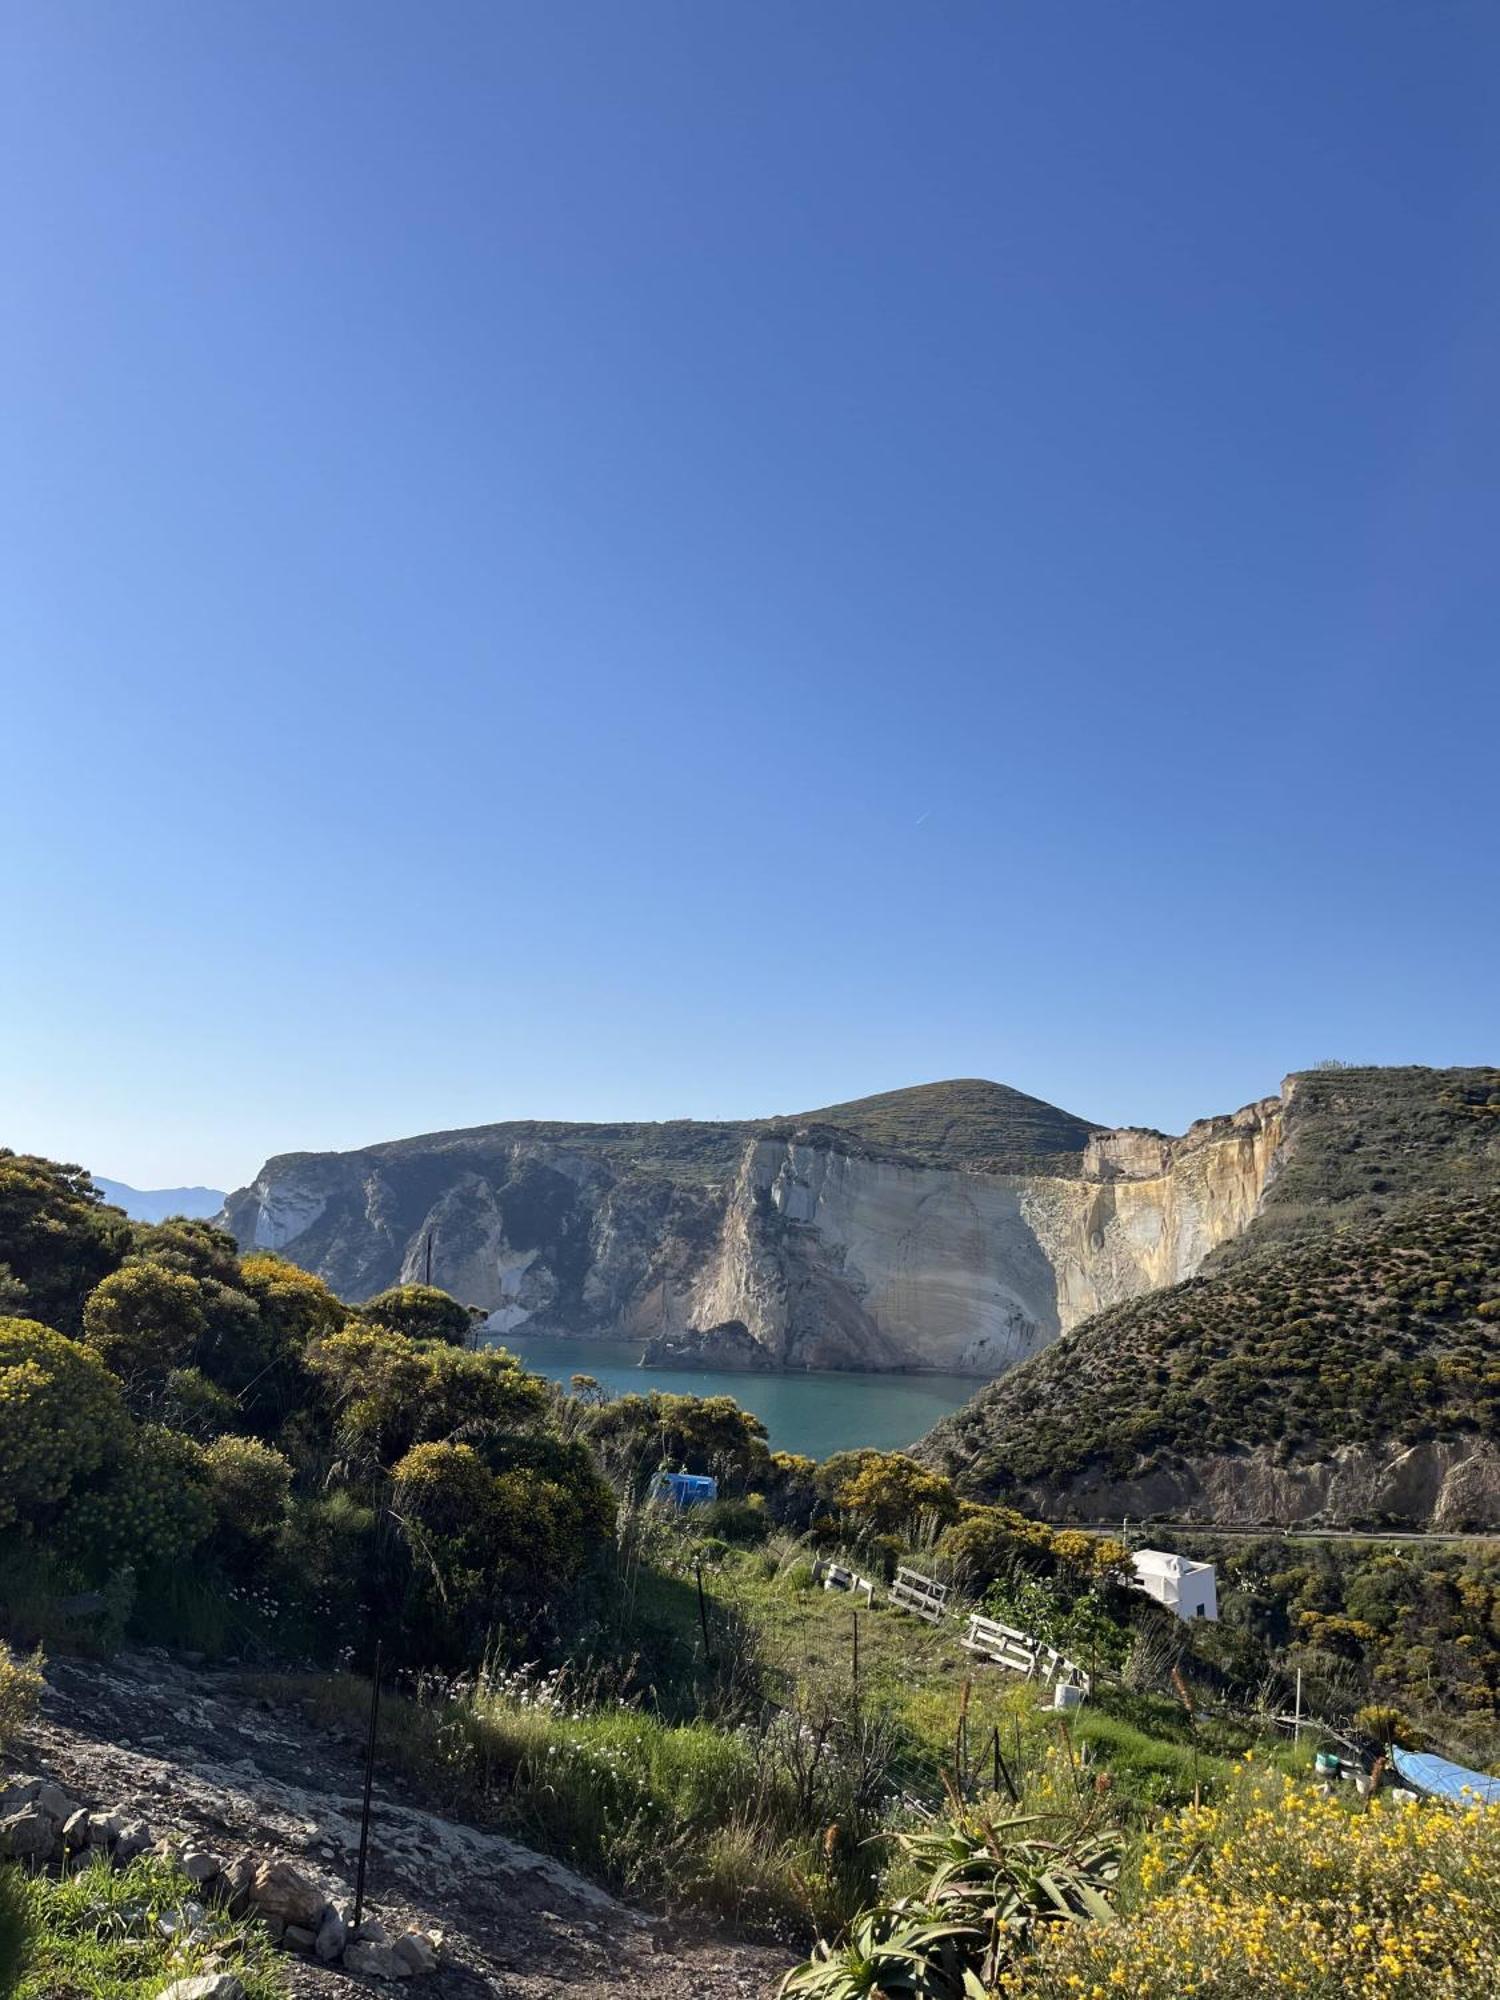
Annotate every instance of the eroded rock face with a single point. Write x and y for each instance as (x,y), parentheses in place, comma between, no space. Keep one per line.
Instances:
(833,1260)
(836,1260)
(830,1253)
(529,1231)
(1447,1486)
(1147,1211)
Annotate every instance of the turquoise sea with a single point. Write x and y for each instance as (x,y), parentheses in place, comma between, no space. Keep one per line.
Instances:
(815,1414)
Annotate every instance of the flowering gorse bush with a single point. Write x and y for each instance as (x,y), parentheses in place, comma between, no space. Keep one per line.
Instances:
(1281,1891)
(20,1692)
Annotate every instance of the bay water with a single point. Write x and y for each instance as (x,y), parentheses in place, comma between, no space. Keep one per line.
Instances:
(808,1413)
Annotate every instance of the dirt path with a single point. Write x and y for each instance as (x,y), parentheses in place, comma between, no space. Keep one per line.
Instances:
(187,1752)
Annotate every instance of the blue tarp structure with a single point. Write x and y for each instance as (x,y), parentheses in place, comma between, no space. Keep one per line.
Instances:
(1439,1779)
(684,1489)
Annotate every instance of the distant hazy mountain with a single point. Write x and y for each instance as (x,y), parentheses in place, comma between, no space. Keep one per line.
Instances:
(151,1204)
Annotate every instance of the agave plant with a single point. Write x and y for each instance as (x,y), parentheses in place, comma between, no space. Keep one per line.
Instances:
(1004,1877)
(902,1950)
(1020,1877)
(990,1883)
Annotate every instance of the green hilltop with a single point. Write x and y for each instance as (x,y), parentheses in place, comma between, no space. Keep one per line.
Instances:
(966,1122)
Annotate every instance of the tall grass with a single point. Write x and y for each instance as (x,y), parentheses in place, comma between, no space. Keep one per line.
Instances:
(15,1926)
(732,1821)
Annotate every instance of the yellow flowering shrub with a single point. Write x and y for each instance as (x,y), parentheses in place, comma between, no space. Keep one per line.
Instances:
(155,1507)
(1281,1891)
(20,1692)
(61,1418)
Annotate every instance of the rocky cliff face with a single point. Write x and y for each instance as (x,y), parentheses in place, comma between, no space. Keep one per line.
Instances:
(830,1250)
(836,1259)
(530,1230)
(1146,1211)
(1445,1484)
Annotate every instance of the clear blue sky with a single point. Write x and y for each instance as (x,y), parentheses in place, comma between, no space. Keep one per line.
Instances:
(642,559)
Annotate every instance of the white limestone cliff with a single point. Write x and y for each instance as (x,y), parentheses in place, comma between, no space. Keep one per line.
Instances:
(830,1253)
(835,1259)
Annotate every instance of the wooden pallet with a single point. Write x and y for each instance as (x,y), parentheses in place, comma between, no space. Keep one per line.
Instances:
(914,1592)
(1007,1647)
(837,1576)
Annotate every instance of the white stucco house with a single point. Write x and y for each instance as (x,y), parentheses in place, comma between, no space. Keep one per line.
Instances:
(1190,1589)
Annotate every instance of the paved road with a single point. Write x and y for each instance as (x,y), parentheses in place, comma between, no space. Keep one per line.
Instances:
(1139,1528)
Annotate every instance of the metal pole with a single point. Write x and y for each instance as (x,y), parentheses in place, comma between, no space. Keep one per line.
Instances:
(364,1818)
(1297,1713)
(1003,1769)
(703,1612)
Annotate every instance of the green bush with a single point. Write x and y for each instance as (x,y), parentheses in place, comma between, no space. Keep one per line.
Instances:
(297,1306)
(193,1403)
(189,1244)
(61,1418)
(144,1320)
(20,1693)
(743,1521)
(636,1435)
(57,1236)
(887,1492)
(388,1393)
(250,1486)
(155,1507)
(329,1539)
(421,1312)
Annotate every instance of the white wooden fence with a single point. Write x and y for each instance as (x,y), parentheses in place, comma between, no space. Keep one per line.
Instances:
(986,1638)
(918,1593)
(1007,1647)
(835,1576)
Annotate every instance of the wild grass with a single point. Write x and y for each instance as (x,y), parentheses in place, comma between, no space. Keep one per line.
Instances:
(689,1815)
(102,1934)
(775,1809)
(1146,1768)
(15,1928)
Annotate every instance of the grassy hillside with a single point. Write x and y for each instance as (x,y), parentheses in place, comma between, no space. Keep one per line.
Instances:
(1390,1331)
(964,1123)
(683,1148)
(1361,1142)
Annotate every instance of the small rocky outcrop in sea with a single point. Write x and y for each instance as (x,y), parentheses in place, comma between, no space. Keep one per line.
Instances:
(730,1344)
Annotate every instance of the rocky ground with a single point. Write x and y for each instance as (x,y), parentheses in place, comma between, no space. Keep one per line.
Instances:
(191,1756)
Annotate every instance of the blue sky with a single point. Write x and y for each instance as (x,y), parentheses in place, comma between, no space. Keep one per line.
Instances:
(671,559)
